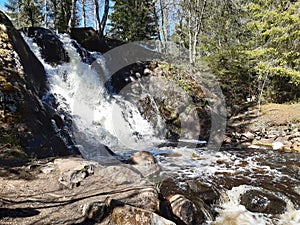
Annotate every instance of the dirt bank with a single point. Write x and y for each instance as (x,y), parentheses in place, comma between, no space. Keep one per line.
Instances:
(275,126)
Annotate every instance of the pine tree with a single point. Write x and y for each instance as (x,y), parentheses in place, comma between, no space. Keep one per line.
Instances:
(223,42)
(14,11)
(63,15)
(275,47)
(25,13)
(133,20)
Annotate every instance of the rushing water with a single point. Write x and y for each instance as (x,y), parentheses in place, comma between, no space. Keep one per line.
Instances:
(101,119)
(98,117)
(232,173)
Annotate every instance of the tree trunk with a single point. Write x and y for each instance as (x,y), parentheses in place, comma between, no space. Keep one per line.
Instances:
(83,13)
(97,15)
(30,13)
(190,34)
(55,15)
(163,33)
(195,20)
(72,20)
(198,26)
(104,18)
(46,14)
(19,15)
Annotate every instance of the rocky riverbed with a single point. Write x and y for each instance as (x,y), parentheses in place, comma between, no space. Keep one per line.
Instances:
(76,191)
(274,126)
(165,185)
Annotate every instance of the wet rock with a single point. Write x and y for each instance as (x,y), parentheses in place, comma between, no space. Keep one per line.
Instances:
(169,187)
(92,202)
(116,211)
(22,107)
(143,158)
(75,172)
(52,49)
(128,215)
(145,162)
(185,210)
(85,55)
(262,202)
(206,192)
(122,81)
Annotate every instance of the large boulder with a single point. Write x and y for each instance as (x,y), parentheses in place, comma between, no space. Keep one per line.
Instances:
(145,162)
(89,39)
(185,210)
(190,204)
(52,49)
(262,202)
(22,86)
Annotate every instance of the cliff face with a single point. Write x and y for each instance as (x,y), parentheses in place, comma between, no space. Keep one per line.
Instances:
(26,123)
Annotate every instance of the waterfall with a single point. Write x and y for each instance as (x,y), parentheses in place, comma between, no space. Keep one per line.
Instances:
(101,119)
(98,117)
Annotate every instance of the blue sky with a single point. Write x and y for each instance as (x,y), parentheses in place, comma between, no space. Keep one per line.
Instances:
(2,2)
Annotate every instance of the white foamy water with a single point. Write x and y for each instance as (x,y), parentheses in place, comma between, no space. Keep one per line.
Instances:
(98,118)
(233,213)
(195,162)
(224,169)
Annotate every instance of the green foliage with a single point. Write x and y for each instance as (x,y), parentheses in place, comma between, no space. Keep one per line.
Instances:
(11,140)
(133,20)
(253,48)
(63,15)
(222,43)
(25,13)
(275,48)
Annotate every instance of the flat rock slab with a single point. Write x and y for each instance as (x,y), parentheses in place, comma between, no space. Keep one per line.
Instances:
(128,215)
(58,192)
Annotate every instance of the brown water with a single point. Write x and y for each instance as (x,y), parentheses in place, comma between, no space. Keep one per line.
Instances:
(236,186)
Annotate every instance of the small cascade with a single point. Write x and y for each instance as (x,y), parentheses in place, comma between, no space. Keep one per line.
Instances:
(220,183)
(99,119)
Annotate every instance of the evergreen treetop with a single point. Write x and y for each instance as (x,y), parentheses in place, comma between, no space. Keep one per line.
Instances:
(133,20)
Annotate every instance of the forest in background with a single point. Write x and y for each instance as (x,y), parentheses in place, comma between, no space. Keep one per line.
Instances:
(251,46)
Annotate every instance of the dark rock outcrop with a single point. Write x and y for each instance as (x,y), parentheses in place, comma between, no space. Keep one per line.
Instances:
(89,39)
(185,210)
(52,49)
(22,86)
(259,201)
(85,55)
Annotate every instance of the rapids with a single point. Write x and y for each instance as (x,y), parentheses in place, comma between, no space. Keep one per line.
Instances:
(100,118)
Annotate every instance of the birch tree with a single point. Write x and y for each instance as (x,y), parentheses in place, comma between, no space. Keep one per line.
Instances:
(73,18)
(195,10)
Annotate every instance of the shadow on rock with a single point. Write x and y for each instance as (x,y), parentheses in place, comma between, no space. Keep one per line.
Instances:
(18,212)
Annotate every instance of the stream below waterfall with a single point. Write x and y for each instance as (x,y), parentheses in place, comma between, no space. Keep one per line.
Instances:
(220,180)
